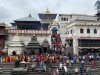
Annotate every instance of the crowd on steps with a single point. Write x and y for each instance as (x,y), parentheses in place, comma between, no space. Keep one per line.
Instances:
(57,46)
(65,61)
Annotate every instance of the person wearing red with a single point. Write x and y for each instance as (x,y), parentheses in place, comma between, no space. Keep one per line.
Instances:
(55,59)
(57,44)
(40,59)
(94,64)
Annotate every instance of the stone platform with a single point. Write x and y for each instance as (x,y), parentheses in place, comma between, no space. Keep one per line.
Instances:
(19,71)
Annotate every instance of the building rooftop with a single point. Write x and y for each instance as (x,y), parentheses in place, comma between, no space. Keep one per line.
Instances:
(3,25)
(33,43)
(28,18)
(47,15)
(47,12)
(75,15)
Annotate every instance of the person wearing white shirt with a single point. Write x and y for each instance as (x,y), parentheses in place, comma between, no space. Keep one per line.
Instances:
(76,71)
(60,65)
(65,68)
(57,71)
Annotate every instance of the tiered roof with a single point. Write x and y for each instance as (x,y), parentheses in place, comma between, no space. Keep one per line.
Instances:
(33,43)
(28,18)
(45,43)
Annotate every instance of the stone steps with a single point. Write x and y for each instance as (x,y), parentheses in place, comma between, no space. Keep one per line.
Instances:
(7,69)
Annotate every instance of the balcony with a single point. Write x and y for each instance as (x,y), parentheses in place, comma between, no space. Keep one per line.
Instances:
(29,32)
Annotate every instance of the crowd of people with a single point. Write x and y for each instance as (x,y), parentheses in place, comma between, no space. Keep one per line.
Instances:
(56,44)
(65,61)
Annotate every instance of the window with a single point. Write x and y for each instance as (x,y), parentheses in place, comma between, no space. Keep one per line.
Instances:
(95,31)
(64,19)
(71,31)
(88,30)
(67,19)
(81,30)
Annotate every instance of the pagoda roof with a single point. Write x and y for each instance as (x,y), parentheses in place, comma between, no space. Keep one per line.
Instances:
(28,18)
(45,43)
(33,43)
(3,25)
(47,15)
(46,12)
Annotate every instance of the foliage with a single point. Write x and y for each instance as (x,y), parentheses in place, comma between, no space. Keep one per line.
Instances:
(97,6)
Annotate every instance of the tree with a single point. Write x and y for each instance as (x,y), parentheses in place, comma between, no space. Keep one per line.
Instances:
(97,6)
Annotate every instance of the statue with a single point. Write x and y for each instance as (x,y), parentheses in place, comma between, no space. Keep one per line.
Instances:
(97,6)
(33,38)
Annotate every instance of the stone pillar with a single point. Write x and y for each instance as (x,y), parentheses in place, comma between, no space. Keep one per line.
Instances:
(75,46)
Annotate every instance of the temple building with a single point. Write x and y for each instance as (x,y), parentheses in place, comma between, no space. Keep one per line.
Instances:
(16,45)
(80,32)
(33,46)
(26,27)
(27,23)
(45,46)
(3,36)
(47,18)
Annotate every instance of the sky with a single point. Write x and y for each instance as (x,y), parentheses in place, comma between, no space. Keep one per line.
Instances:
(14,9)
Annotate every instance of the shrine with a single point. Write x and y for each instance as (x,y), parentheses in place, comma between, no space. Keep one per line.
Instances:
(33,46)
(16,45)
(45,46)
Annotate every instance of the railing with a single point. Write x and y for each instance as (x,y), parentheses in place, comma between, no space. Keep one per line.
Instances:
(37,32)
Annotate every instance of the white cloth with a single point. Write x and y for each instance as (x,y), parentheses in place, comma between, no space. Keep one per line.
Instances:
(60,65)
(82,61)
(67,61)
(65,68)
(76,69)
(32,66)
(57,70)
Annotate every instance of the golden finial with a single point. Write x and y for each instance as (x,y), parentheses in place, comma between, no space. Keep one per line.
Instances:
(47,11)
(30,15)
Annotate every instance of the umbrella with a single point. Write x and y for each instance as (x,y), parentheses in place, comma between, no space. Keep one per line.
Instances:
(34,60)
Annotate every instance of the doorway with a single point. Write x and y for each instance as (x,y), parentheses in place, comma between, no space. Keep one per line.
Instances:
(32,52)
(45,49)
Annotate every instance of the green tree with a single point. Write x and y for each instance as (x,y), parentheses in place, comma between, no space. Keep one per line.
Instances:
(97,6)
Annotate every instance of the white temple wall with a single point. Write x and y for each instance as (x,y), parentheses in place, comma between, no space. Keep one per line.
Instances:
(63,28)
(19,50)
(27,38)
(8,39)
(85,34)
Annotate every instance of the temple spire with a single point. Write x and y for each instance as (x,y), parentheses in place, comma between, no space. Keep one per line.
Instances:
(30,15)
(47,11)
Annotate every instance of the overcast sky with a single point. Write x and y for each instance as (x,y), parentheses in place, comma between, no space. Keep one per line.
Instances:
(15,9)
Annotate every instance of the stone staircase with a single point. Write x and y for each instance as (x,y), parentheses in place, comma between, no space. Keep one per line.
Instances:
(6,69)
(87,64)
